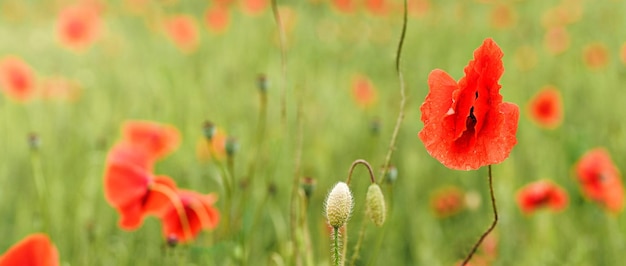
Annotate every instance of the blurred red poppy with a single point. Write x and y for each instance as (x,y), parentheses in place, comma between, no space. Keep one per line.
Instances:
(344,6)
(503,16)
(546,107)
(217,18)
(253,7)
(466,124)
(33,250)
(363,91)
(78,26)
(155,139)
(596,56)
(199,214)
(600,180)
(128,153)
(447,201)
(17,79)
(418,8)
(541,194)
(135,193)
(183,31)
(556,40)
(377,7)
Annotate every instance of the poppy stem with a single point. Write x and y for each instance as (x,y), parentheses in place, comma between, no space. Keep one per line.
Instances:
(369,169)
(493,224)
(283,59)
(396,129)
(228,190)
(40,185)
(335,236)
(178,205)
(295,187)
(359,242)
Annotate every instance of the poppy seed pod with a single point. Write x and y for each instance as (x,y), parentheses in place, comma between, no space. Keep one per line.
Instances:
(375,205)
(339,205)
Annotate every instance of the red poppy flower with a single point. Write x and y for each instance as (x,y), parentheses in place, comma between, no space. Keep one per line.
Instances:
(33,250)
(78,26)
(600,180)
(183,31)
(16,78)
(466,124)
(157,140)
(125,152)
(447,201)
(134,192)
(541,194)
(363,91)
(254,7)
(377,7)
(217,18)
(199,214)
(546,108)
(596,56)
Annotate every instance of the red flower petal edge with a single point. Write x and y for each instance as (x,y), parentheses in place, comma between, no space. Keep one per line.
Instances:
(34,250)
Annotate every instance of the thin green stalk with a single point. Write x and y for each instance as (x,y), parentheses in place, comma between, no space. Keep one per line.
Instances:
(228,189)
(283,60)
(40,186)
(359,242)
(337,258)
(491,227)
(396,130)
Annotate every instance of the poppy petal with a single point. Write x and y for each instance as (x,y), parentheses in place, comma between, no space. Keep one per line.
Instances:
(35,250)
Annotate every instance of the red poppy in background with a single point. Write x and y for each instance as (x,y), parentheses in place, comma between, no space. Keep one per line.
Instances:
(363,91)
(556,40)
(447,201)
(418,8)
(59,88)
(600,179)
(217,18)
(546,107)
(78,26)
(183,31)
(135,193)
(466,124)
(155,139)
(502,16)
(541,194)
(126,152)
(33,250)
(16,78)
(377,7)
(253,7)
(217,146)
(344,6)
(596,56)
(199,214)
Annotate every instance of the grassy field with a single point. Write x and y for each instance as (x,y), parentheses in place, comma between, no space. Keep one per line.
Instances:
(134,72)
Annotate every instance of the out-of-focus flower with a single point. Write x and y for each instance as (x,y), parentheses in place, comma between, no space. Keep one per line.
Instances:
(363,91)
(447,201)
(556,40)
(502,16)
(183,31)
(254,7)
(541,194)
(155,139)
(33,250)
(17,79)
(546,107)
(200,215)
(59,88)
(600,180)
(596,56)
(217,19)
(217,146)
(79,26)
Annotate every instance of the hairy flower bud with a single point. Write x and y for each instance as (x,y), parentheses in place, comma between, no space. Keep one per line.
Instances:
(338,205)
(375,205)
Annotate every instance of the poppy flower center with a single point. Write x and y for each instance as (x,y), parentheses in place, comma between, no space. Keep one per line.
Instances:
(470,122)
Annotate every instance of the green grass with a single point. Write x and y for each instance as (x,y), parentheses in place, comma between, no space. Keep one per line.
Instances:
(133,72)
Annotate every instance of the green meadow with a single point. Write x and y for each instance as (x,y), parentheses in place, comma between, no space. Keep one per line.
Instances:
(314,128)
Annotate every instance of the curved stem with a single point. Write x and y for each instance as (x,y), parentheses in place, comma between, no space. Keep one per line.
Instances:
(369,169)
(493,224)
(396,130)
(178,205)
